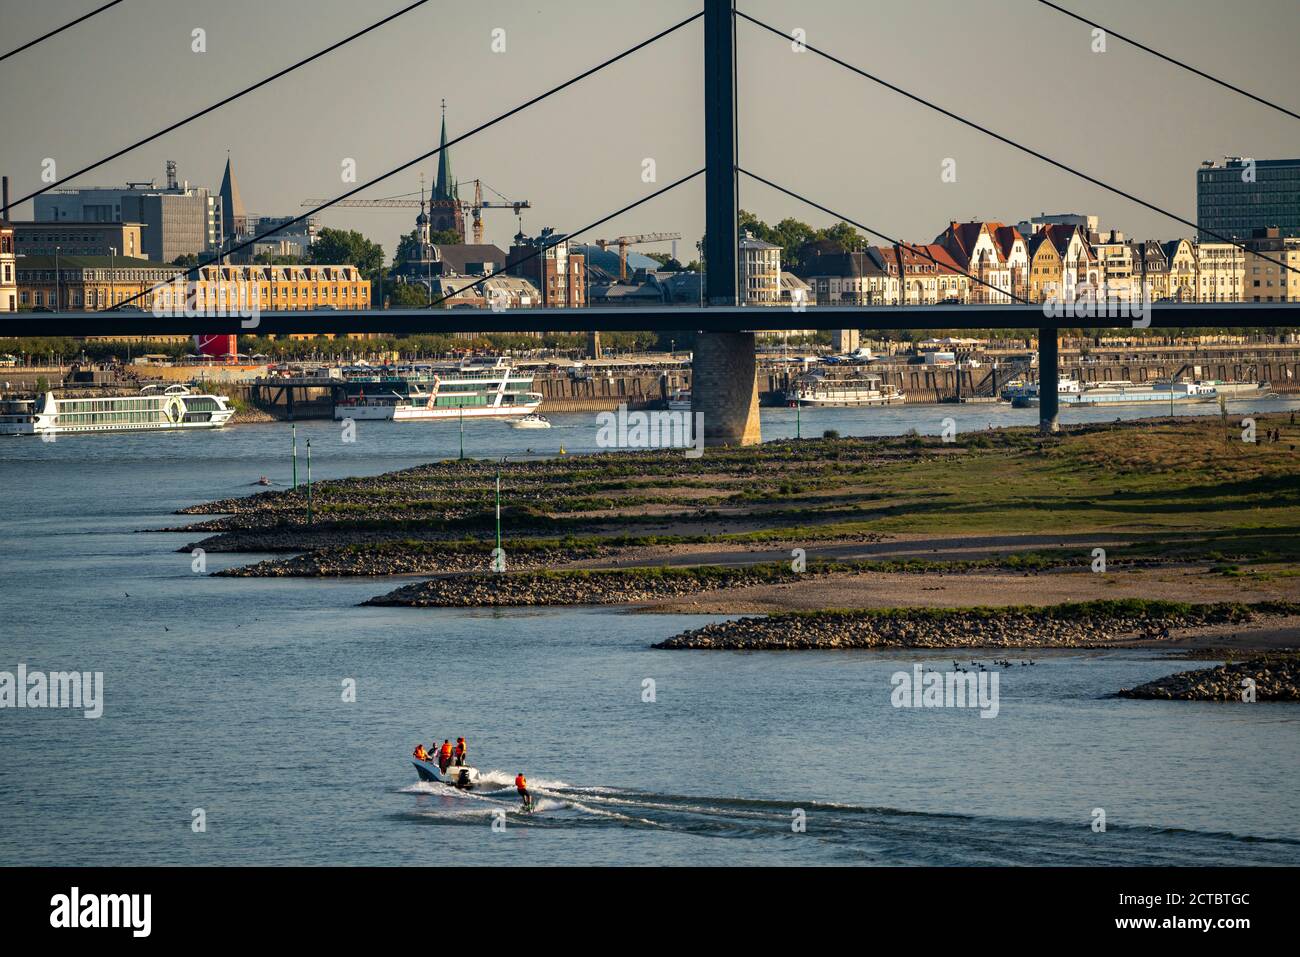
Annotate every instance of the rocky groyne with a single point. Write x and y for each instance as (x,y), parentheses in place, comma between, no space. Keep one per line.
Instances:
(599,587)
(406,559)
(1265,678)
(1075,625)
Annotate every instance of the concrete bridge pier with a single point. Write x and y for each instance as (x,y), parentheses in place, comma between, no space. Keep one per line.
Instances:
(1049,371)
(724,388)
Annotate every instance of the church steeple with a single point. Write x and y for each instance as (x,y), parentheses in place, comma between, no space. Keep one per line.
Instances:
(445,188)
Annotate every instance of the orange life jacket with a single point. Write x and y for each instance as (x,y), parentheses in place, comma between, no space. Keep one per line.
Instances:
(521,782)
(446,749)
(420,753)
(460,746)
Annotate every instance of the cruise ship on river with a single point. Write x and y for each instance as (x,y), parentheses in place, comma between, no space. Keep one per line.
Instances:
(850,390)
(471,390)
(151,410)
(1121,392)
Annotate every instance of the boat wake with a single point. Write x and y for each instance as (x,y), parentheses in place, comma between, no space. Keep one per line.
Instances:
(844,832)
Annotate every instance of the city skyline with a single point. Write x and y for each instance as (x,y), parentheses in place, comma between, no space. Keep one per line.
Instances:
(563,154)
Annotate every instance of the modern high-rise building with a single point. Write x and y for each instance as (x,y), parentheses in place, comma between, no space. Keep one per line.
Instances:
(178,219)
(1242,195)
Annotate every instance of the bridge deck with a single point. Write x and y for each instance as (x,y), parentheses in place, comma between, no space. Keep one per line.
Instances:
(636,318)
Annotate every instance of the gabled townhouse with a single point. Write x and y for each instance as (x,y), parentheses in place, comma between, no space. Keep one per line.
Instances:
(1181,255)
(1150,270)
(975,248)
(1015,253)
(1046,269)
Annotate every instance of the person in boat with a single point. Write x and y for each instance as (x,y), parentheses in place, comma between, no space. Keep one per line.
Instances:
(444,755)
(459,752)
(521,785)
(420,754)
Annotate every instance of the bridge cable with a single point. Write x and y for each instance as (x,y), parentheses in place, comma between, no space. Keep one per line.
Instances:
(193,270)
(216,106)
(1024,149)
(889,239)
(1168,59)
(57,30)
(590,226)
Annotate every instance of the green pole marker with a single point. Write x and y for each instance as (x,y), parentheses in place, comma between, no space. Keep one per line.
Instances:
(498,511)
(295,455)
(309,481)
(462,431)
(798,419)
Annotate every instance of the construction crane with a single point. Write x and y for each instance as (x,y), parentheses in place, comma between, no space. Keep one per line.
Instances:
(622,242)
(475,208)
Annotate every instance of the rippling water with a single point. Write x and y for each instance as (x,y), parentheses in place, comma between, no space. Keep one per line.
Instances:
(226,695)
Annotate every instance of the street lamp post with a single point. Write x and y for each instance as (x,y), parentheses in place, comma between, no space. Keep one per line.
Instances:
(57,296)
(309,481)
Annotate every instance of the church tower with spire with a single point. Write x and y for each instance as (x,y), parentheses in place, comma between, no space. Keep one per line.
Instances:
(445,209)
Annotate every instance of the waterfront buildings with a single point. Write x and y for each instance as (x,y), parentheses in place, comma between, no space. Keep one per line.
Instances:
(35,238)
(1150,270)
(853,278)
(929,274)
(549,262)
(88,283)
(1181,255)
(760,271)
(981,251)
(1122,276)
(1241,195)
(1220,272)
(8,274)
(1046,268)
(1267,278)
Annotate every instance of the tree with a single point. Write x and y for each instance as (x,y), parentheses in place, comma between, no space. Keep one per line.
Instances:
(409,294)
(335,247)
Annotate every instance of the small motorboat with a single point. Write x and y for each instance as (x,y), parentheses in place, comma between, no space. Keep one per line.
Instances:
(532,420)
(461,776)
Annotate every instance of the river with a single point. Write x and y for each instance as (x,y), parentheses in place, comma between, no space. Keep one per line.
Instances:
(224,701)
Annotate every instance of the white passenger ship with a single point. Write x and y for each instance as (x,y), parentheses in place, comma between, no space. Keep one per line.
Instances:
(471,390)
(151,410)
(820,389)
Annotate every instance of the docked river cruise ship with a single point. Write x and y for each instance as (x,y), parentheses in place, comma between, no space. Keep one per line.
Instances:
(851,390)
(493,389)
(150,410)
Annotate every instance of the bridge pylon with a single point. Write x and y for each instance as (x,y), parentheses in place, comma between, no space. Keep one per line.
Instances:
(724,371)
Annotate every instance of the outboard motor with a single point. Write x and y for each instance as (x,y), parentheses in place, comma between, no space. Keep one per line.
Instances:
(462,780)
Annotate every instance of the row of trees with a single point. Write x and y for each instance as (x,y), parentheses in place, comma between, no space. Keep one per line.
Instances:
(40,350)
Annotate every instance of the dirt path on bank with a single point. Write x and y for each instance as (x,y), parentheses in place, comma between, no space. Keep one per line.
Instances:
(931,590)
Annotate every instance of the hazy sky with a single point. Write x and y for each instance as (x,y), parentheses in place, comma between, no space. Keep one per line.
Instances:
(1012,65)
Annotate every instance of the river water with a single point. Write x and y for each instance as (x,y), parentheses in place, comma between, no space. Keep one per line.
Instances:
(224,700)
